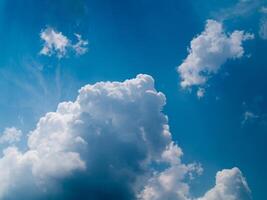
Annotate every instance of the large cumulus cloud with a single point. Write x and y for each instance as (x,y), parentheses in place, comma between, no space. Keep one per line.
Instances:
(112,142)
(109,133)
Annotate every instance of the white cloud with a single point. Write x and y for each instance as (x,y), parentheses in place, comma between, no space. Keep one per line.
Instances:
(200,92)
(209,51)
(171,182)
(10,136)
(81,46)
(55,43)
(113,141)
(248,116)
(112,128)
(230,185)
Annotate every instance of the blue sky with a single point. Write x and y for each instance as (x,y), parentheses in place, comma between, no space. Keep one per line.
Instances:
(225,128)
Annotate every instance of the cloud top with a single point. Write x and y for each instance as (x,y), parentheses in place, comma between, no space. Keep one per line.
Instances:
(230,185)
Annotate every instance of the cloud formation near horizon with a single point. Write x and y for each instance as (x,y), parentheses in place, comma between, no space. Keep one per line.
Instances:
(209,51)
(112,142)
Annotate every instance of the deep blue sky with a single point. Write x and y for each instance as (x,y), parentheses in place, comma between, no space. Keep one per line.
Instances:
(128,37)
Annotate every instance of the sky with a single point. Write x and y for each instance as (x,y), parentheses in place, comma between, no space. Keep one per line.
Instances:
(133,99)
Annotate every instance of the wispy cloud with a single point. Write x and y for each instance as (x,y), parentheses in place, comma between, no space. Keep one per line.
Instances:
(242,8)
(10,136)
(249,116)
(55,43)
(80,47)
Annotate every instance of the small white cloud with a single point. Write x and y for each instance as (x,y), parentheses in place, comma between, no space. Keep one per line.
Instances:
(10,136)
(200,92)
(248,116)
(55,43)
(80,47)
(209,51)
